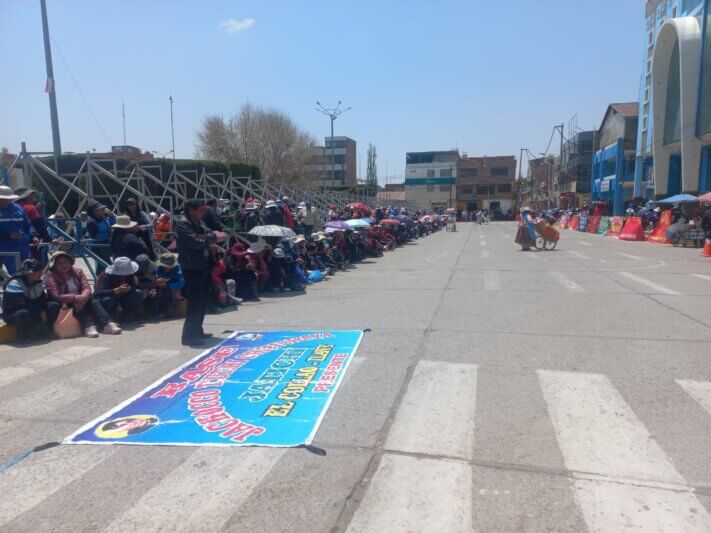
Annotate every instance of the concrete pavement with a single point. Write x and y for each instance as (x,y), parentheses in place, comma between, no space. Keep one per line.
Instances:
(497,390)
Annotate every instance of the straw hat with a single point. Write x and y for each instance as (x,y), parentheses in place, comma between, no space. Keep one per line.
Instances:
(166,260)
(23,192)
(258,246)
(122,266)
(6,193)
(124,222)
(56,255)
(299,238)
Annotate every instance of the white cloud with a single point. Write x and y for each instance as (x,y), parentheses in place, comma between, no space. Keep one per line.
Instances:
(233,26)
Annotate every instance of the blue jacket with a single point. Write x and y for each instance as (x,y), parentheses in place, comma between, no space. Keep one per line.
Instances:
(13,219)
(174,277)
(100,229)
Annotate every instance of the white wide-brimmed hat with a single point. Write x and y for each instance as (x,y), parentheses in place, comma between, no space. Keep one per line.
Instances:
(6,193)
(122,266)
(124,222)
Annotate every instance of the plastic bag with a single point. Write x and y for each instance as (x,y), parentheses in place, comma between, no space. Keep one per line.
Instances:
(67,326)
(315,276)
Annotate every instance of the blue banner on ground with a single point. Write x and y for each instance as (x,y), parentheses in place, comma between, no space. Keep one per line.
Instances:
(256,388)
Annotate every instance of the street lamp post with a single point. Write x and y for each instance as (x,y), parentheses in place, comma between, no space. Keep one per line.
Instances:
(333,114)
(172,129)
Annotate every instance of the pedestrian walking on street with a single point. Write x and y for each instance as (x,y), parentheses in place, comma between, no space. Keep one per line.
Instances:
(194,240)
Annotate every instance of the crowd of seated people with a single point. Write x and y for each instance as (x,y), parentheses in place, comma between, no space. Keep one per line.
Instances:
(138,285)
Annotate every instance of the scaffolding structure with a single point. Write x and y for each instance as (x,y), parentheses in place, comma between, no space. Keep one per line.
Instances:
(99,179)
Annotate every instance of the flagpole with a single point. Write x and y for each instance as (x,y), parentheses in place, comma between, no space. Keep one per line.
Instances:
(50,87)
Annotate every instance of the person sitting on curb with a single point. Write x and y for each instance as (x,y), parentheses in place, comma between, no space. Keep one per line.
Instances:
(170,277)
(68,285)
(25,305)
(117,287)
(125,240)
(98,226)
(153,302)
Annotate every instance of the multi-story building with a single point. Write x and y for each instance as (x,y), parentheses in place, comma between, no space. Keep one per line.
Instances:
(681,78)
(613,163)
(344,159)
(486,183)
(656,13)
(538,190)
(430,179)
(576,168)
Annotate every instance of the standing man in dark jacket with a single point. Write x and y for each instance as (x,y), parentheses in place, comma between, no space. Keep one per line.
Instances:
(193,241)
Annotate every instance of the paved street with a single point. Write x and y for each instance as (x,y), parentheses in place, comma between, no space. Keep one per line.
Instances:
(497,390)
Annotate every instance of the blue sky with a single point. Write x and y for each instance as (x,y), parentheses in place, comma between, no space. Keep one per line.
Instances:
(486,77)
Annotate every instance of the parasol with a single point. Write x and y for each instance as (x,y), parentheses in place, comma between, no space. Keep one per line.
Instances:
(272,230)
(355,223)
(337,224)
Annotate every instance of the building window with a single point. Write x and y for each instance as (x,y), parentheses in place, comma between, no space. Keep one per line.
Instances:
(467,189)
(468,172)
(646,95)
(499,171)
(649,66)
(431,173)
(485,189)
(650,37)
(506,187)
(672,124)
(445,173)
(430,187)
(445,187)
(704,109)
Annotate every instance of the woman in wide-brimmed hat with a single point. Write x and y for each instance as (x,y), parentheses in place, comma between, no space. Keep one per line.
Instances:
(526,236)
(118,287)
(125,241)
(25,302)
(145,224)
(68,285)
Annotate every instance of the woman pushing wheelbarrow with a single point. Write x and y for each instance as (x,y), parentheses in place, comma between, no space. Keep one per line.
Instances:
(526,234)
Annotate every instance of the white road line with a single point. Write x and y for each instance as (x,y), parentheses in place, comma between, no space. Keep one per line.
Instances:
(482,243)
(436,419)
(654,286)
(52,360)
(408,494)
(229,476)
(43,474)
(630,256)
(492,282)
(699,391)
(618,466)
(52,396)
(584,243)
(702,276)
(485,254)
(566,282)
(578,254)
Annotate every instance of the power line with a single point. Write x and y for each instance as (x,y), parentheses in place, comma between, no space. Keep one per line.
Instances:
(86,103)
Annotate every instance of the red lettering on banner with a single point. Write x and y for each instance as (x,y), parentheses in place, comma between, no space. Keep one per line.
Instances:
(216,420)
(169,390)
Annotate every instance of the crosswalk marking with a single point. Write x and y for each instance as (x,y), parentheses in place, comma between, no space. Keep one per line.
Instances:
(52,360)
(584,243)
(699,391)
(34,402)
(409,494)
(578,254)
(230,478)
(654,286)
(485,254)
(43,474)
(702,276)
(482,243)
(492,281)
(630,256)
(599,435)
(566,282)
(436,419)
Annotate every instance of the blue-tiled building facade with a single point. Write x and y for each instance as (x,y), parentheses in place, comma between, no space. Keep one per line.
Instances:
(656,13)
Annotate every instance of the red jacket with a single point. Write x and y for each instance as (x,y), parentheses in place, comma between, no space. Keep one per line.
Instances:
(288,216)
(58,290)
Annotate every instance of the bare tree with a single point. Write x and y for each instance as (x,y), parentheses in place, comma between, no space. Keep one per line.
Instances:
(264,137)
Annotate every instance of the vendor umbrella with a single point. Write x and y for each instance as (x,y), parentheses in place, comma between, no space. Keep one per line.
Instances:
(337,224)
(362,208)
(678,199)
(273,230)
(406,220)
(356,223)
(705,198)
(393,221)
